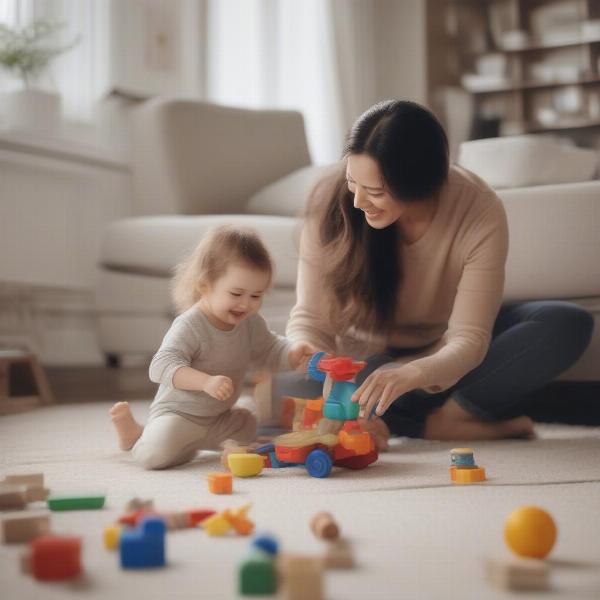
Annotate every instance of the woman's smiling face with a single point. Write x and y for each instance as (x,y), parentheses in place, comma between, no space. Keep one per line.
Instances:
(371,195)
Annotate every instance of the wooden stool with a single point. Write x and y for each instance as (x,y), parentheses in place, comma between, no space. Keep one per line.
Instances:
(10,403)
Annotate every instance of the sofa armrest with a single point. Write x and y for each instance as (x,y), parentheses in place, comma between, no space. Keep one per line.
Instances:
(192,157)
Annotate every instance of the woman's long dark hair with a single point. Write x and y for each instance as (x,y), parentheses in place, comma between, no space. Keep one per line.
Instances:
(362,265)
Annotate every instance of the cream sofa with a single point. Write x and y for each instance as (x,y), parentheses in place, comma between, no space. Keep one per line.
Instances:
(197,165)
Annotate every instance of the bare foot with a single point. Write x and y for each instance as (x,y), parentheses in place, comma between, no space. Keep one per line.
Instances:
(379,430)
(128,429)
(452,422)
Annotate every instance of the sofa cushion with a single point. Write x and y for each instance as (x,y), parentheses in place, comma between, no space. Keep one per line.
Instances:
(520,161)
(153,245)
(287,195)
(554,242)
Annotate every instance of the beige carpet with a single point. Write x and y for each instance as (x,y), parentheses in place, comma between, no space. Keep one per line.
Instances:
(415,535)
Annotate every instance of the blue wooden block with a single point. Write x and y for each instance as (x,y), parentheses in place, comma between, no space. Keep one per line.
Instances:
(144,546)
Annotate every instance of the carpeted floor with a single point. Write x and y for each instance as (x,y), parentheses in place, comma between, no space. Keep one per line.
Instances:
(415,535)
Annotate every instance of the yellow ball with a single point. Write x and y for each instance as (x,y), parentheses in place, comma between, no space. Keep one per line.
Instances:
(530,531)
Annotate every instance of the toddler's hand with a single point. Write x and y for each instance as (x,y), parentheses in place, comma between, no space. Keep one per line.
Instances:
(219,387)
(300,354)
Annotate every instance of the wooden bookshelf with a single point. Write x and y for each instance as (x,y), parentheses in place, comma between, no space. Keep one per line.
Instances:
(521,60)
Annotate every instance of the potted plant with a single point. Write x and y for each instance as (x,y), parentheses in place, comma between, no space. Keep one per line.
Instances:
(27,51)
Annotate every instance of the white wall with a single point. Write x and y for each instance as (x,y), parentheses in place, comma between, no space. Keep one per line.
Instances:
(401,49)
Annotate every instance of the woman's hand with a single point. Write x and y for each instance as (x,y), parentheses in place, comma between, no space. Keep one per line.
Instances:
(219,387)
(300,354)
(384,385)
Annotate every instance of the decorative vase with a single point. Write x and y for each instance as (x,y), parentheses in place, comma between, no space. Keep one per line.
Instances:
(32,110)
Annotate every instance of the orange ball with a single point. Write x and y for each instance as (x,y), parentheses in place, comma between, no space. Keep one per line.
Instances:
(530,531)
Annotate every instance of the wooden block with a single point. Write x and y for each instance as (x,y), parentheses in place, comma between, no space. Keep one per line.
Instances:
(139,504)
(12,496)
(34,484)
(24,527)
(339,555)
(31,479)
(518,573)
(302,577)
(37,494)
(177,520)
(323,525)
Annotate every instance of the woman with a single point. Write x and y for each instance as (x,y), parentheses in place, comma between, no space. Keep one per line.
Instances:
(402,260)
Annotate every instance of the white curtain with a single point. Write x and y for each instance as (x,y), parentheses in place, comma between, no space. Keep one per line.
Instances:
(316,56)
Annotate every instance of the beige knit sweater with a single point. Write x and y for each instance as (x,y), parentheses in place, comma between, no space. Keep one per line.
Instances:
(450,295)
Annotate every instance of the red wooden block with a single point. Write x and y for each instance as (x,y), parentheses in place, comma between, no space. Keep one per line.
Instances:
(55,557)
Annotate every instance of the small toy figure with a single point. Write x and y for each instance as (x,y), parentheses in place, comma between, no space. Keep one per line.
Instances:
(330,434)
(463,468)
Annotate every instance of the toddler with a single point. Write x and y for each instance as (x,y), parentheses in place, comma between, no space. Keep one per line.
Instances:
(204,356)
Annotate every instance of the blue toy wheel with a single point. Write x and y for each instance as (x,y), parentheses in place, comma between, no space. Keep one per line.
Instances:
(313,371)
(318,463)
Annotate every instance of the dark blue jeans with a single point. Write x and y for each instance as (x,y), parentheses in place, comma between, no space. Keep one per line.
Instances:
(532,343)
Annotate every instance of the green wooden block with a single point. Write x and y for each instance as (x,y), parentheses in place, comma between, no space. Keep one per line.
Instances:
(257,575)
(80,502)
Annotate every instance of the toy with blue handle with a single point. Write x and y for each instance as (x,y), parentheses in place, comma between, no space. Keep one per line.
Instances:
(313,369)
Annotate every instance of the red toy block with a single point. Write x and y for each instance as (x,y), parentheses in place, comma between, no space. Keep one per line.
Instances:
(197,515)
(55,557)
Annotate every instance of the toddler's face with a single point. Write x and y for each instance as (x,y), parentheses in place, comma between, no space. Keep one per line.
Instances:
(235,296)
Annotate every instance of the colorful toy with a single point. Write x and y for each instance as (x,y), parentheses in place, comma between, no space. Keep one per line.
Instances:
(53,557)
(173,520)
(530,531)
(267,543)
(144,546)
(463,468)
(256,575)
(24,527)
(79,502)
(223,522)
(220,483)
(328,434)
(324,526)
(245,464)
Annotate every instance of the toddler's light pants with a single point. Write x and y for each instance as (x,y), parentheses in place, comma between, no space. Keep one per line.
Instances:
(170,439)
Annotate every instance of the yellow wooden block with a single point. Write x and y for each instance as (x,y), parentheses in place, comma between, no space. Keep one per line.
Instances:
(112,535)
(467,475)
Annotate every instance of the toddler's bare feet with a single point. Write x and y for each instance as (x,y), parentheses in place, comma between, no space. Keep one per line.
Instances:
(379,430)
(128,429)
(452,422)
